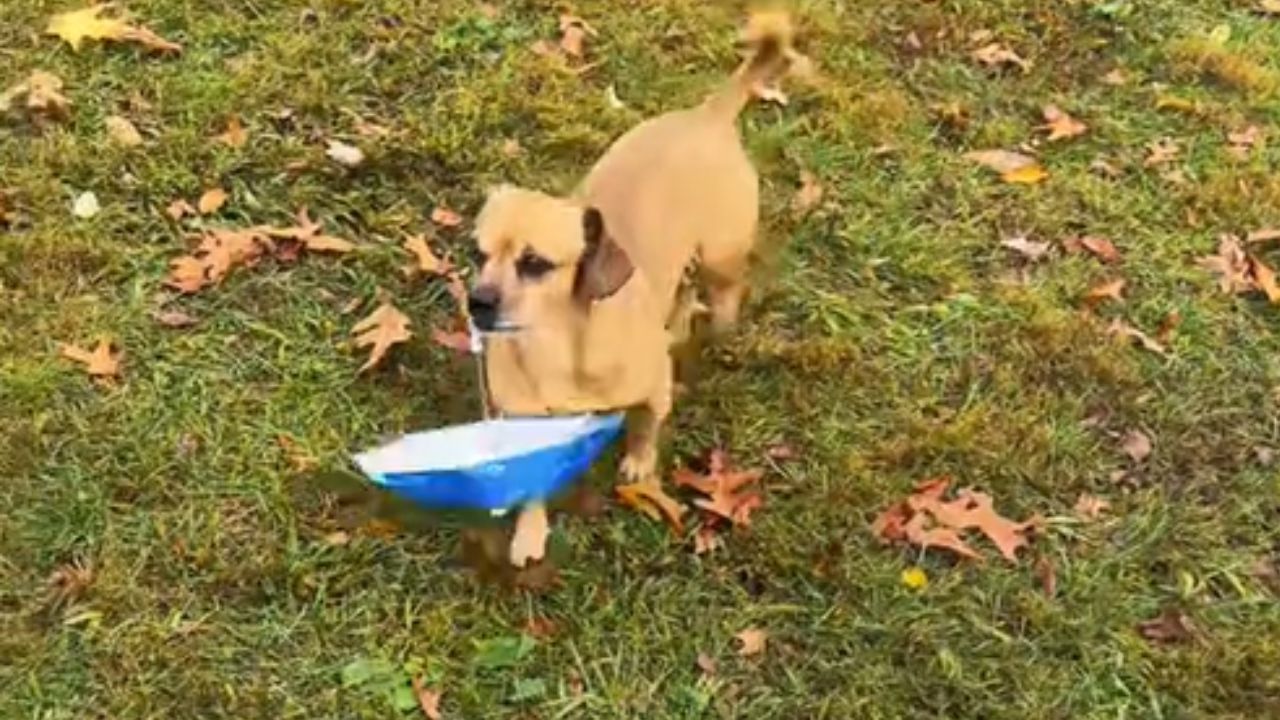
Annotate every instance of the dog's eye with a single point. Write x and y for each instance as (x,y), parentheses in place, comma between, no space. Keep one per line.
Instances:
(482,258)
(532,267)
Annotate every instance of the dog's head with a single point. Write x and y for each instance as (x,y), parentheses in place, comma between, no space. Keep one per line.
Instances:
(541,254)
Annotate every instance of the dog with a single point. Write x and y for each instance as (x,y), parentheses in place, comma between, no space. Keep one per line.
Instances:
(576,295)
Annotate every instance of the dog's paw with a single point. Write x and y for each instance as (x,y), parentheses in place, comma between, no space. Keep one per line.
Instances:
(637,466)
(529,543)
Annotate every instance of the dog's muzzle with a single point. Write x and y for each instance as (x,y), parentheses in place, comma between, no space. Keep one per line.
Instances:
(483,304)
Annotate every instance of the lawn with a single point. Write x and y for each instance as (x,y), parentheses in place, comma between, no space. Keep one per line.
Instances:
(187,541)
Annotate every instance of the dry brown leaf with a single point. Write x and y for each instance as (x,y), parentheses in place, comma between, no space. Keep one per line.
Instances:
(573,34)
(707,540)
(103,363)
(1060,125)
(385,327)
(1136,445)
(445,217)
(976,510)
(1090,507)
(936,537)
(724,486)
(1121,329)
(457,340)
(1170,626)
(174,319)
(754,641)
(309,233)
(1161,152)
(1231,265)
(70,582)
(1242,142)
(1029,249)
(648,497)
(808,195)
(337,538)
(1001,161)
(122,132)
(1047,575)
(345,154)
(428,700)
(1265,278)
(427,261)
(212,201)
(706,664)
(235,136)
(1100,247)
(924,519)
(996,55)
(299,459)
(89,24)
(43,91)
(1110,290)
(1168,326)
(179,209)
(1116,77)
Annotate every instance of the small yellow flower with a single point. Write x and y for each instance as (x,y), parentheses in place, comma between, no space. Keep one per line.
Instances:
(914,578)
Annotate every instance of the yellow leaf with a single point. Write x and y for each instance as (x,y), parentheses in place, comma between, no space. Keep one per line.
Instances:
(915,578)
(753,641)
(385,327)
(427,261)
(88,24)
(211,201)
(1029,175)
(122,132)
(235,135)
(648,497)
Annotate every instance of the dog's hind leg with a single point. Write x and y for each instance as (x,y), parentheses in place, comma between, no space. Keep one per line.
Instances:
(724,269)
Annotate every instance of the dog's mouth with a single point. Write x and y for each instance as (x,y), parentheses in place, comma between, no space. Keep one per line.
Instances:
(495,326)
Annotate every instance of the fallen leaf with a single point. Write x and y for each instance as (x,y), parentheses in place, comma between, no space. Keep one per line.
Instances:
(1030,175)
(102,363)
(445,217)
(85,206)
(174,319)
(997,55)
(44,95)
(338,538)
(573,34)
(1231,265)
(88,24)
(1136,445)
(612,100)
(937,537)
(309,233)
(1028,249)
(122,132)
(1116,77)
(1121,329)
(1110,290)
(384,328)
(1090,507)
(511,148)
(1105,169)
(219,251)
(973,509)
(1242,142)
(1060,125)
(1047,575)
(457,340)
(1263,235)
(915,578)
(300,461)
(1100,247)
(781,452)
(647,496)
(428,700)
(1168,326)
(1162,151)
(707,540)
(348,156)
(179,209)
(427,261)
(211,201)
(924,519)
(1170,626)
(706,664)
(724,488)
(1265,278)
(753,641)
(809,194)
(235,136)
(1001,161)
(70,582)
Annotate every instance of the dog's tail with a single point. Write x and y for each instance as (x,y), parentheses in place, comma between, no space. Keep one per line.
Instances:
(767,37)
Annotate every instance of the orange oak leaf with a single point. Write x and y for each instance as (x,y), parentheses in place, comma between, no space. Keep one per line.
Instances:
(103,363)
(385,327)
(426,261)
(1060,125)
(753,641)
(211,201)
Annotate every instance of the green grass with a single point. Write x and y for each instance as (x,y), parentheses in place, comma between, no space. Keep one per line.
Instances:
(892,338)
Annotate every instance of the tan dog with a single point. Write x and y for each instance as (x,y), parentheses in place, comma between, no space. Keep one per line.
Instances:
(578,292)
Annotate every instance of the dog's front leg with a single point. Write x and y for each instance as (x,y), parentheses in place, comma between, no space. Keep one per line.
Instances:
(643,424)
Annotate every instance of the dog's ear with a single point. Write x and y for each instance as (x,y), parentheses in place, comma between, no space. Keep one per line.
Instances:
(604,266)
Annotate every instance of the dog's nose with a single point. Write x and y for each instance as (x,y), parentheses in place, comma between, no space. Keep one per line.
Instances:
(483,306)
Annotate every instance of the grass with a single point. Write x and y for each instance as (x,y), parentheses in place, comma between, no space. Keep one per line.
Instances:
(892,339)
